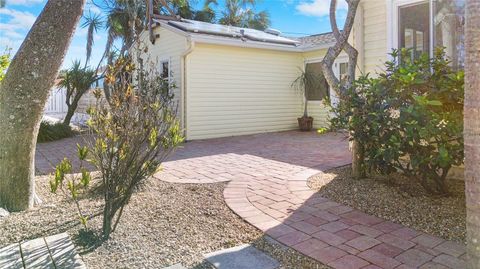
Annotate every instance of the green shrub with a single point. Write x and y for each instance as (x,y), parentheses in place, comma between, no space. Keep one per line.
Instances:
(133,134)
(51,132)
(72,185)
(409,118)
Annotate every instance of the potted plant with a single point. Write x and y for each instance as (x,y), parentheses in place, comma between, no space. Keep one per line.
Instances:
(305,81)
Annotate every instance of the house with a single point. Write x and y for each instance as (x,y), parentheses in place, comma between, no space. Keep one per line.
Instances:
(234,81)
(420,25)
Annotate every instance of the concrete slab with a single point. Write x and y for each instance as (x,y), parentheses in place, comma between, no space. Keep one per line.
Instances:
(56,251)
(10,257)
(241,257)
(63,252)
(36,255)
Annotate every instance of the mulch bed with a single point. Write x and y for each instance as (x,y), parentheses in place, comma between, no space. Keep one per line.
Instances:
(164,224)
(399,199)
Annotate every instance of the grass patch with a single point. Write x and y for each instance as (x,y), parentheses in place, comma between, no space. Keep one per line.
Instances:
(51,132)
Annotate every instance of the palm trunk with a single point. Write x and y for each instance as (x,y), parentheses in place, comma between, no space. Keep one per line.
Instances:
(70,112)
(305,107)
(472,131)
(23,94)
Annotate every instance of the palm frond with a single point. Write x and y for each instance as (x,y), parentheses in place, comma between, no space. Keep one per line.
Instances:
(93,22)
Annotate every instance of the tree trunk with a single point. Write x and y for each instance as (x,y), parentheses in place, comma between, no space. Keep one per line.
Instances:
(23,94)
(71,111)
(341,43)
(472,131)
(358,156)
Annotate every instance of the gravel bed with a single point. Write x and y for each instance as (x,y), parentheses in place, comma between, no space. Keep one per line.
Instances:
(399,199)
(164,224)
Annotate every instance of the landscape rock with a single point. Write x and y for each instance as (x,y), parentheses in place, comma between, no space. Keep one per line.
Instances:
(3,213)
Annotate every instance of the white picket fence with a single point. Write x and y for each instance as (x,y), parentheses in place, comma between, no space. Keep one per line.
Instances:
(56,102)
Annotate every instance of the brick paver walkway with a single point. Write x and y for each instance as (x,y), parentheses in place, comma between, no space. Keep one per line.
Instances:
(267,176)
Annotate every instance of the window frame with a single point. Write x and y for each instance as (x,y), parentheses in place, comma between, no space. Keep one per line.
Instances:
(336,70)
(393,11)
(169,77)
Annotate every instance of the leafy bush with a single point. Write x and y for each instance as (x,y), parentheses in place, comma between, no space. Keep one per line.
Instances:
(71,185)
(4,63)
(409,118)
(134,133)
(51,132)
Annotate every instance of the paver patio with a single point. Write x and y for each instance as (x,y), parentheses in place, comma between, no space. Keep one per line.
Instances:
(267,176)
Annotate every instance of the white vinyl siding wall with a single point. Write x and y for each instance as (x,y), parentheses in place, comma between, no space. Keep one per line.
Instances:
(168,47)
(374,35)
(317,109)
(236,91)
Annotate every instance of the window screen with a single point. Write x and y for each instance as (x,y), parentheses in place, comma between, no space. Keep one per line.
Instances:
(319,90)
(414,29)
(165,70)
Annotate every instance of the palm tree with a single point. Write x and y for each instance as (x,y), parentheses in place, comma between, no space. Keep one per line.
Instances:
(124,21)
(241,13)
(77,81)
(93,22)
(472,131)
(206,14)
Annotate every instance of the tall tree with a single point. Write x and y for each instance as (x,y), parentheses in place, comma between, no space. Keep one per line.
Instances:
(124,21)
(472,131)
(23,94)
(241,13)
(342,44)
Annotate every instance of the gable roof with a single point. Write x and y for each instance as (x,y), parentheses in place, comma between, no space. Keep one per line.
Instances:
(245,37)
(313,41)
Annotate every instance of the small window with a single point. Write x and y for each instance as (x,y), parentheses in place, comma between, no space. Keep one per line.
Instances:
(165,72)
(319,90)
(343,71)
(414,29)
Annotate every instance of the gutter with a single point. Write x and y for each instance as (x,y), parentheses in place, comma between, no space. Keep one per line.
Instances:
(183,66)
(243,44)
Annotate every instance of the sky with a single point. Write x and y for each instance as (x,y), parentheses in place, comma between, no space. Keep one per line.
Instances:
(291,17)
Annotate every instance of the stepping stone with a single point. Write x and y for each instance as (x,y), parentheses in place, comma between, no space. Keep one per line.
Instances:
(241,257)
(175,266)
(36,255)
(56,251)
(63,252)
(10,257)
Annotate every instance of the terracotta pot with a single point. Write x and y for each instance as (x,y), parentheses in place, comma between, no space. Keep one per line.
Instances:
(305,124)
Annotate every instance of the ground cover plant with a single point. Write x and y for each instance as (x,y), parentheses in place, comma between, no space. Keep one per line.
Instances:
(53,131)
(409,118)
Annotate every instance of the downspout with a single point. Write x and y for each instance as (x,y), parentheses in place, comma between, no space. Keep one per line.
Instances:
(183,98)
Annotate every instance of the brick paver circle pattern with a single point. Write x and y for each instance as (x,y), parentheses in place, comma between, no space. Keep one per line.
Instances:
(267,177)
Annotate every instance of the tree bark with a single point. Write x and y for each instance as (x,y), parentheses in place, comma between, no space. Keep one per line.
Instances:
(23,94)
(358,170)
(472,131)
(72,107)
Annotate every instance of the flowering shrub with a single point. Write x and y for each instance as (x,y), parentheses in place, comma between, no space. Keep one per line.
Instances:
(409,118)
